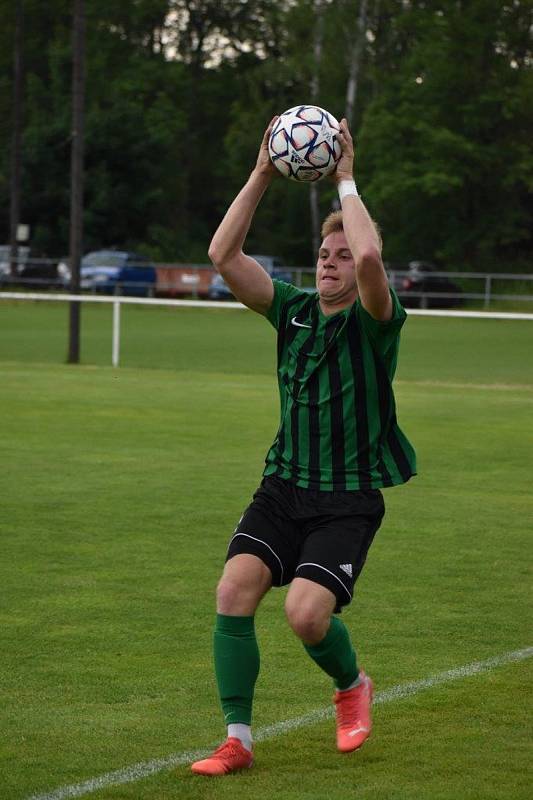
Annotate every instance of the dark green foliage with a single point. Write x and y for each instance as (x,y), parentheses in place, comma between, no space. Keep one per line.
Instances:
(179,94)
(445,141)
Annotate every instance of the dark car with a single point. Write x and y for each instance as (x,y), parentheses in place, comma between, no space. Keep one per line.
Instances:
(116,272)
(425,286)
(219,290)
(29,272)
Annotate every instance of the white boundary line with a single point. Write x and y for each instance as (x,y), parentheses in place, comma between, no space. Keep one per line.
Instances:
(136,772)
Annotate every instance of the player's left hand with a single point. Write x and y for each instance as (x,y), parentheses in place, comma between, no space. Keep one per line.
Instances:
(344,170)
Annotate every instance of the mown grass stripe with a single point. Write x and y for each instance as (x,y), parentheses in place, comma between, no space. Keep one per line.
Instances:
(141,770)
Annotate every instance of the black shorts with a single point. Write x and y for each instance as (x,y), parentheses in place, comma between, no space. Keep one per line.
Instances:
(304,533)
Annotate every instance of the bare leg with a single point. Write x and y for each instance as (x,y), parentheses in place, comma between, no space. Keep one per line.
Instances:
(244,583)
(309,607)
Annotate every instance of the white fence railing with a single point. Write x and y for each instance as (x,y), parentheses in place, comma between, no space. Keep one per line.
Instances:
(478,286)
(428,288)
(118,301)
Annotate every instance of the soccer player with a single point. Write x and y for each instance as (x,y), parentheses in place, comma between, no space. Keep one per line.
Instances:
(319,505)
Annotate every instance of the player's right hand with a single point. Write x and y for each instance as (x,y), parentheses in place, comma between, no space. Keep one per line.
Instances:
(344,170)
(264,163)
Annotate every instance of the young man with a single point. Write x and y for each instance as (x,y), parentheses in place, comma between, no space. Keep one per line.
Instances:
(319,505)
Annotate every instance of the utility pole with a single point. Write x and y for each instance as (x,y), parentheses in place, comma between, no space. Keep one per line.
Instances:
(16,150)
(76,174)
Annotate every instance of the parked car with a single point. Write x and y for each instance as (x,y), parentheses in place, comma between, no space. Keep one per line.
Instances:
(23,253)
(219,290)
(29,272)
(115,272)
(425,286)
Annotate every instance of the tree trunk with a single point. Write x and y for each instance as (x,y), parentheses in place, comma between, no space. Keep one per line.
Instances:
(76,174)
(356,58)
(318,9)
(16,150)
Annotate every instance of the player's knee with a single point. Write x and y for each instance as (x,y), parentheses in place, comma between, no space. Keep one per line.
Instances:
(307,622)
(229,595)
(244,582)
(238,593)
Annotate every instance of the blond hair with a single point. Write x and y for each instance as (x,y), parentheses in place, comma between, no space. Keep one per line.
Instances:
(333,224)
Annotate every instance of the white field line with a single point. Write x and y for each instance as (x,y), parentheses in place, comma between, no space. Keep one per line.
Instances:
(136,772)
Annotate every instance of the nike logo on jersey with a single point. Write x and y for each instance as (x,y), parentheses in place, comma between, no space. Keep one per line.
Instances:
(300,324)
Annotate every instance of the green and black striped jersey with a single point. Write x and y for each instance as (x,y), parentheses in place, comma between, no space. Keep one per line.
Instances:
(338,428)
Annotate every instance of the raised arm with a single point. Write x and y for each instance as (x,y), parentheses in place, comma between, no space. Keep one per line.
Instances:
(246,278)
(363,239)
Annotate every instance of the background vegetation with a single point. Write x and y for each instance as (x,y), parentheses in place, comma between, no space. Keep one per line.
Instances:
(179,92)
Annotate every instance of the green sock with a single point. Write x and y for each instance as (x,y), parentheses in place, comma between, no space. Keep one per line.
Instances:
(236,666)
(335,655)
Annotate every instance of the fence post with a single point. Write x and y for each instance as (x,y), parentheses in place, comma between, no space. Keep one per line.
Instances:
(116,333)
(488,282)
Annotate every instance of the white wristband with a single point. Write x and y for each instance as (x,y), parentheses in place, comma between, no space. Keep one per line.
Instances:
(346,188)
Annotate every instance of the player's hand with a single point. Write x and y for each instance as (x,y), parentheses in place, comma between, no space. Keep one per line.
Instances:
(344,170)
(264,164)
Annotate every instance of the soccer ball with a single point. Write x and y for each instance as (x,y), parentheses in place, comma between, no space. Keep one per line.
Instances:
(303,144)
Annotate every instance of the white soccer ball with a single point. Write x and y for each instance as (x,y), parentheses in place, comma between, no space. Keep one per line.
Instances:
(304,145)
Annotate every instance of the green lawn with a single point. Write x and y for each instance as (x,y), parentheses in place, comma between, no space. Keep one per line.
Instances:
(227,340)
(120,489)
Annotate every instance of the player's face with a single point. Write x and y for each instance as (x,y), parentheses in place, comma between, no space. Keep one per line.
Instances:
(335,270)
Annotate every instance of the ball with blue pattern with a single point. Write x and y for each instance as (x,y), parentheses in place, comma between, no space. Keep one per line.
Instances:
(304,145)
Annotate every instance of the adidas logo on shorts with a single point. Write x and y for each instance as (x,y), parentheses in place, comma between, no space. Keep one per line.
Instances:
(347,568)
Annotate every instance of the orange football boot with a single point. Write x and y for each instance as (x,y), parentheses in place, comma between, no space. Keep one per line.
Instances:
(353,715)
(229,757)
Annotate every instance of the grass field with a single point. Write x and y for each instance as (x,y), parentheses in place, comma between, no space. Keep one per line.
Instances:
(119,491)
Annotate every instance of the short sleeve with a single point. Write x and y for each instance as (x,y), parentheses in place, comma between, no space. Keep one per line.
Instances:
(283,292)
(383,334)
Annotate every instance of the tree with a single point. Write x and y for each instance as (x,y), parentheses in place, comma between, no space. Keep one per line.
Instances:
(76,173)
(356,56)
(179,93)
(318,41)
(444,140)
(16,152)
